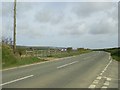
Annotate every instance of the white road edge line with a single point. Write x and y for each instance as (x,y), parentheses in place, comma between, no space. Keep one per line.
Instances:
(16,80)
(106,67)
(67,64)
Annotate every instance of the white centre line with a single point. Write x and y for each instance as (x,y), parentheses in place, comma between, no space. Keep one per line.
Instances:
(67,64)
(16,80)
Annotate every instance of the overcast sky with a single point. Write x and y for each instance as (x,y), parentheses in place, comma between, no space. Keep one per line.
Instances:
(63,24)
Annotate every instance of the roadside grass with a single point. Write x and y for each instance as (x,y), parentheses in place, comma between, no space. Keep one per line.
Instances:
(115,53)
(29,60)
(23,61)
(67,54)
(10,60)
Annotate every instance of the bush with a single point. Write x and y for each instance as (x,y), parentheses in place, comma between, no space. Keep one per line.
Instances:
(20,51)
(8,57)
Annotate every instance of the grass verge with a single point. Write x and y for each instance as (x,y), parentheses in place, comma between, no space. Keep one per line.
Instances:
(10,60)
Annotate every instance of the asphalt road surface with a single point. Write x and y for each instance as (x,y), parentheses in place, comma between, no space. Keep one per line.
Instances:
(90,70)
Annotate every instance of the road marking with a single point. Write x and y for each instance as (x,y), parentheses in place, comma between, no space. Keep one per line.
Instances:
(92,86)
(103,71)
(108,79)
(104,87)
(16,80)
(95,81)
(106,83)
(99,77)
(67,64)
(106,67)
(109,57)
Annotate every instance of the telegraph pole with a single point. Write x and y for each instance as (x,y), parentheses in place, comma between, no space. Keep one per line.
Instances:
(14,35)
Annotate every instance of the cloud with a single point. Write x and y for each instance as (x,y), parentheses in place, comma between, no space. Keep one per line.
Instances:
(74,29)
(104,23)
(86,9)
(7,9)
(49,16)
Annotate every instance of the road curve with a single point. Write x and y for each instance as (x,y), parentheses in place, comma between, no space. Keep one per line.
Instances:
(75,72)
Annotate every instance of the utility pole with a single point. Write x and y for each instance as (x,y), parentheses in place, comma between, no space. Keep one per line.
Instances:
(14,35)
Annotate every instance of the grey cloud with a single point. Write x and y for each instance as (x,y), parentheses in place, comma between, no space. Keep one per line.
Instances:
(74,29)
(29,31)
(44,16)
(49,16)
(105,26)
(89,8)
(7,9)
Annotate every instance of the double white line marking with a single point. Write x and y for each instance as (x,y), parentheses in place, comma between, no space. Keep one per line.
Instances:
(67,64)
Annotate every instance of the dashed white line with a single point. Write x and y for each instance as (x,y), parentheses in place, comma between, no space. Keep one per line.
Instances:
(67,64)
(99,77)
(108,79)
(106,83)
(95,81)
(16,80)
(92,86)
(101,74)
(104,87)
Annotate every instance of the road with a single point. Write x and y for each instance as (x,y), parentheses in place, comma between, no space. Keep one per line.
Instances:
(90,70)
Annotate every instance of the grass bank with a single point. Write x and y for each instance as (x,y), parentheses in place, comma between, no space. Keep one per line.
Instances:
(10,60)
(67,54)
(115,52)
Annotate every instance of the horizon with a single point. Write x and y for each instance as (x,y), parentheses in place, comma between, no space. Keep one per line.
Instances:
(65,47)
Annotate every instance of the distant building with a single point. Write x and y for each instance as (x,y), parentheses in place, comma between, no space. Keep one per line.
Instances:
(63,49)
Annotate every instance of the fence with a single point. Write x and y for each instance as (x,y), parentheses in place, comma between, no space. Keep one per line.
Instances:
(42,53)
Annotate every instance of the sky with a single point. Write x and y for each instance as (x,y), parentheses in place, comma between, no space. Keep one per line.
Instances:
(63,24)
